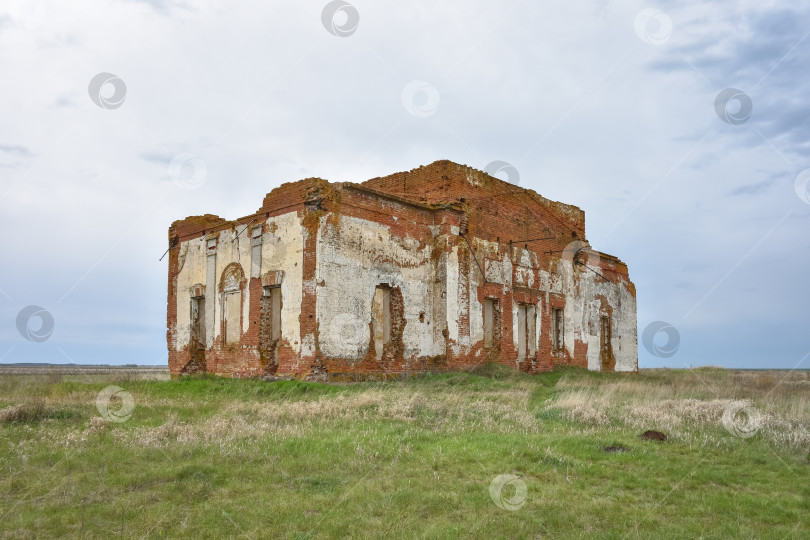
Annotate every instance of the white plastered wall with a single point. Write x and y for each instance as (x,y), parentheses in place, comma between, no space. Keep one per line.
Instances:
(583,310)
(281,250)
(192,271)
(353,259)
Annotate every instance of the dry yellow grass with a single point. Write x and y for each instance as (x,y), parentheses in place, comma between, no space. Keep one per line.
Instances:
(773,403)
(503,410)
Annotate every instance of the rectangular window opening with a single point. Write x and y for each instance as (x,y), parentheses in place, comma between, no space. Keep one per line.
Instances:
(270,324)
(556,329)
(526,331)
(521,331)
(381,308)
(604,333)
(490,307)
(233,317)
(198,321)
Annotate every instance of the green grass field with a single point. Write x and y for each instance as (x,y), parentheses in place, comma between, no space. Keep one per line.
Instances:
(210,458)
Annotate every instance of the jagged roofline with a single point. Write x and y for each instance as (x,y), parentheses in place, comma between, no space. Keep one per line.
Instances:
(212,223)
(438,164)
(485,185)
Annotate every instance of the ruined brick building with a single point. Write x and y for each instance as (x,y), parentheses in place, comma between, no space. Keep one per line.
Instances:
(440,268)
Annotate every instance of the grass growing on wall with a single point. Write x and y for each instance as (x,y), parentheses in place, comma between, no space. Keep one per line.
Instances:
(206,457)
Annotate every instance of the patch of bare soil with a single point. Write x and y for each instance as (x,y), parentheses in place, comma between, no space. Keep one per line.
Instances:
(652,435)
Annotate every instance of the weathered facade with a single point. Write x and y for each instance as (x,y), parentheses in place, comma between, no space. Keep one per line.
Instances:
(440,268)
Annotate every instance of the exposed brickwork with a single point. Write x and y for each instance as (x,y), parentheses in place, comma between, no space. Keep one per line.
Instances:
(447,223)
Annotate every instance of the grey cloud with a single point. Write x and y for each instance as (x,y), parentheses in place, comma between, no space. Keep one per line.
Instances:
(162,158)
(15,149)
(166,7)
(751,189)
(63,101)
(757,53)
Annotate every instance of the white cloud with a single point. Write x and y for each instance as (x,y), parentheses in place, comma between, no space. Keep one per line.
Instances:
(263,94)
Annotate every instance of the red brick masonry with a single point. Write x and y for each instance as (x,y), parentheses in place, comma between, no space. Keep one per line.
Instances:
(424,236)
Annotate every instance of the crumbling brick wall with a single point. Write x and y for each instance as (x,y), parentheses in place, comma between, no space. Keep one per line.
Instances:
(441,239)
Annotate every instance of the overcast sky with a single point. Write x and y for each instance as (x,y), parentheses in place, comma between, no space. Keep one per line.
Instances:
(121,117)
